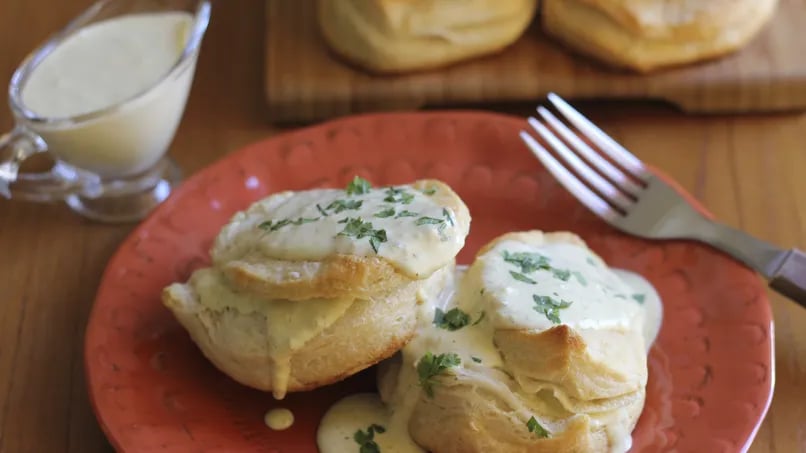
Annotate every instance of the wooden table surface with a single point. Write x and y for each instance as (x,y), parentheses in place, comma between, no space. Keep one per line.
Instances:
(749,170)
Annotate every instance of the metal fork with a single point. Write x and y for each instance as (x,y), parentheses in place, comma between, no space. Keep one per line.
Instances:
(631,198)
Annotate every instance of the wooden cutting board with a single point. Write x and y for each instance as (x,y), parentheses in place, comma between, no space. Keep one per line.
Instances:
(305,82)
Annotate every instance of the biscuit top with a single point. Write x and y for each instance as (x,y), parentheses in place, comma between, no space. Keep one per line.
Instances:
(535,287)
(417,228)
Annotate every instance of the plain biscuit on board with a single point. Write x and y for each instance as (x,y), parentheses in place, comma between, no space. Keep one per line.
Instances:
(393,36)
(645,35)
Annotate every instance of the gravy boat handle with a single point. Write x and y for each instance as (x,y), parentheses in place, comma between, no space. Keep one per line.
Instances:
(47,186)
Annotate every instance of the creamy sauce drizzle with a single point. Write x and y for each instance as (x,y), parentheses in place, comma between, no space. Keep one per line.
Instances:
(279,419)
(106,63)
(598,297)
(596,307)
(289,324)
(358,412)
(417,250)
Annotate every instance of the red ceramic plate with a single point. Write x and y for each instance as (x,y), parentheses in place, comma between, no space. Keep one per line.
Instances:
(710,372)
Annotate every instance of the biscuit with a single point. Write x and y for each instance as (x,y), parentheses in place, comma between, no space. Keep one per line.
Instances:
(315,260)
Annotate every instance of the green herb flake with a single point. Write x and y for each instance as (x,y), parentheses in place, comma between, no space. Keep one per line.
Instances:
(431,366)
(265,226)
(448,216)
(303,220)
(358,186)
(520,277)
(550,307)
(453,319)
(580,278)
(481,316)
(430,191)
(366,439)
(321,211)
(388,212)
(528,262)
(429,221)
(280,224)
(590,261)
(534,427)
(475,359)
(640,298)
(406,213)
(357,228)
(562,274)
(398,195)
(620,296)
(343,205)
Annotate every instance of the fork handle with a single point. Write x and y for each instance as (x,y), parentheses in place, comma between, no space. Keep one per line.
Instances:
(784,269)
(790,277)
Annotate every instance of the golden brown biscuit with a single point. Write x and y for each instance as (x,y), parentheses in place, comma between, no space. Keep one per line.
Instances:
(646,35)
(391,36)
(549,354)
(280,346)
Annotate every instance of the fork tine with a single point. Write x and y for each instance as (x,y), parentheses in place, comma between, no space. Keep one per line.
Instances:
(600,163)
(605,188)
(619,154)
(569,181)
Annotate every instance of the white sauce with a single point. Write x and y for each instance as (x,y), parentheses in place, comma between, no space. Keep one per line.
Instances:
(475,341)
(279,419)
(105,64)
(358,412)
(599,299)
(289,324)
(417,250)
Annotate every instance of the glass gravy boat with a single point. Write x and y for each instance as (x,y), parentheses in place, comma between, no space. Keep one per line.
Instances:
(110,163)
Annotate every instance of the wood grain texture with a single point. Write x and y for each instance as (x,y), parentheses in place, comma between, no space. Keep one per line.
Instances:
(748,170)
(304,81)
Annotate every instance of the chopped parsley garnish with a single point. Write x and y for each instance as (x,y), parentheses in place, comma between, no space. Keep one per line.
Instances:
(639,298)
(534,427)
(430,191)
(453,319)
(520,277)
(550,307)
(620,296)
(428,221)
(321,211)
(580,278)
(343,205)
(430,366)
(270,225)
(357,228)
(406,213)
(280,224)
(366,439)
(448,216)
(475,359)
(443,223)
(528,262)
(481,316)
(590,261)
(358,186)
(562,274)
(395,195)
(388,212)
